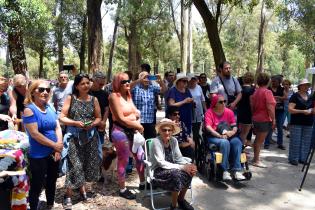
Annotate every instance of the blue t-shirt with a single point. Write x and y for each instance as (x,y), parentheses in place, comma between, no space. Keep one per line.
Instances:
(46,123)
(185,110)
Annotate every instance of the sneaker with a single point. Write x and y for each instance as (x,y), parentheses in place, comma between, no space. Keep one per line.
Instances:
(294,162)
(226,176)
(127,194)
(239,176)
(67,203)
(281,147)
(183,204)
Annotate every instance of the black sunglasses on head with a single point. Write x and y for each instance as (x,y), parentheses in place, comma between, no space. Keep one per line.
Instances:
(41,89)
(125,81)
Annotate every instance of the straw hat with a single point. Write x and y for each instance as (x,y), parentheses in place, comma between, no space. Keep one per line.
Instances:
(180,76)
(303,82)
(168,122)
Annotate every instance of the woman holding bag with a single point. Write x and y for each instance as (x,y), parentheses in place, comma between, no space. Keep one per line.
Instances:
(81,115)
(125,123)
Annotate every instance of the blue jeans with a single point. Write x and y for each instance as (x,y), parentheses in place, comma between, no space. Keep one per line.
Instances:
(230,149)
(280,117)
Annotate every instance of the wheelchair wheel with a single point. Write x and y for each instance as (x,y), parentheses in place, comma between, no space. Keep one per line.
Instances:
(248,175)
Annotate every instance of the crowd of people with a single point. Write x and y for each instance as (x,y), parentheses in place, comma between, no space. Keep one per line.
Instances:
(66,125)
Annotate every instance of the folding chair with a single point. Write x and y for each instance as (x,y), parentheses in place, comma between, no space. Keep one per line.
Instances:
(149,177)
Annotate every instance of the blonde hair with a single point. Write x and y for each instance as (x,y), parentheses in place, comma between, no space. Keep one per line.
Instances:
(29,93)
(19,79)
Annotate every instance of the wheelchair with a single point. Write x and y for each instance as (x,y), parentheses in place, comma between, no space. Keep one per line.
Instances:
(209,158)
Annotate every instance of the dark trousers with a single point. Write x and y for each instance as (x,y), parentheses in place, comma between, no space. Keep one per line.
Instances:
(196,136)
(149,130)
(188,152)
(44,172)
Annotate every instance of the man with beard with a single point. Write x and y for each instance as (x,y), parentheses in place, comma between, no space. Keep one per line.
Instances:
(227,85)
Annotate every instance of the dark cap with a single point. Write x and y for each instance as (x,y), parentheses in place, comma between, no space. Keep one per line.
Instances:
(99,75)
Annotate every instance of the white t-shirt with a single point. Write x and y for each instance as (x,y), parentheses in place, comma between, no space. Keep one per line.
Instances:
(198,97)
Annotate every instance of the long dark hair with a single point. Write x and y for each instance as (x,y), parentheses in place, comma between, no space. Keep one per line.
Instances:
(77,79)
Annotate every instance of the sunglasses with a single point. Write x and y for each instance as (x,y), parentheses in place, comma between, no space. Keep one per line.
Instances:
(164,130)
(222,102)
(175,114)
(41,89)
(125,81)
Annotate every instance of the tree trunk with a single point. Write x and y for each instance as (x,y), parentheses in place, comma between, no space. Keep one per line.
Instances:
(184,36)
(212,31)
(112,47)
(83,46)
(95,35)
(41,62)
(59,36)
(190,67)
(16,49)
(156,66)
(133,54)
(261,40)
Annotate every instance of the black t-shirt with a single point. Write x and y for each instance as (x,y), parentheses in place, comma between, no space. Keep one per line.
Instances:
(4,109)
(206,91)
(102,98)
(279,92)
(244,103)
(301,104)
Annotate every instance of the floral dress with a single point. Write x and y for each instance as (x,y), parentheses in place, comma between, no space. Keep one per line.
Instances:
(171,179)
(83,159)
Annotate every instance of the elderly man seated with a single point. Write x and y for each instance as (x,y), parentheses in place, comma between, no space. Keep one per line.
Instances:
(172,171)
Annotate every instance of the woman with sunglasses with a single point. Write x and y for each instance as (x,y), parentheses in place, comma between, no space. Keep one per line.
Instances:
(42,127)
(81,114)
(180,96)
(171,170)
(4,104)
(125,123)
(222,131)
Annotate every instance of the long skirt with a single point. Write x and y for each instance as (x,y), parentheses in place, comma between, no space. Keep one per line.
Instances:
(300,142)
(83,163)
(171,179)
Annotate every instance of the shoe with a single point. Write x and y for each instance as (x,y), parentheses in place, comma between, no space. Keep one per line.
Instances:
(281,147)
(259,164)
(239,176)
(183,204)
(226,176)
(127,194)
(294,162)
(173,208)
(67,203)
(266,146)
(301,162)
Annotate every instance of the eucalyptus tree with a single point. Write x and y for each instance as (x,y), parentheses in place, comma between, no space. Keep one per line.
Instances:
(15,18)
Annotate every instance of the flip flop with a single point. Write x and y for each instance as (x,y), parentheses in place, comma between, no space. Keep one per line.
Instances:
(259,164)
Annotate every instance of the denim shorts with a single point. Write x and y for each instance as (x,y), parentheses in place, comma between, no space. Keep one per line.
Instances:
(262,126)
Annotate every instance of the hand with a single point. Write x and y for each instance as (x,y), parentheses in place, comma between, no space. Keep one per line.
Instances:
(193,170)
(273,124)
(14,117)
(5,117)
(58,146)
(188,100)
(57,156)
(224,136)
(102,126)
(140,129)
(307,112)
(229,133)
(191,143)
(232,106)
(158,77)
(79,124)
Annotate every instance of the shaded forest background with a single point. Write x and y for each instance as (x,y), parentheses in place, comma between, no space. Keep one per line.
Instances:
(40,36)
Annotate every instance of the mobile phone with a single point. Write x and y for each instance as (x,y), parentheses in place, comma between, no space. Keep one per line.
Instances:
(152,77)
(88,123)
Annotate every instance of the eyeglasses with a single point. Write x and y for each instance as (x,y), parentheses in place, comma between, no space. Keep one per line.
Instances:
(175,114)
(125,81)
(63,77)
(41,89)
(222,102)
(164,130)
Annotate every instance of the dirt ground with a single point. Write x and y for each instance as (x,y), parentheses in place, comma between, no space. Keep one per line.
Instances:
(272,188)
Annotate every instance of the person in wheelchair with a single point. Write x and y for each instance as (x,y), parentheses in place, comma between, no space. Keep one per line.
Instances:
(185,142)
(221,130)
(172,171)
